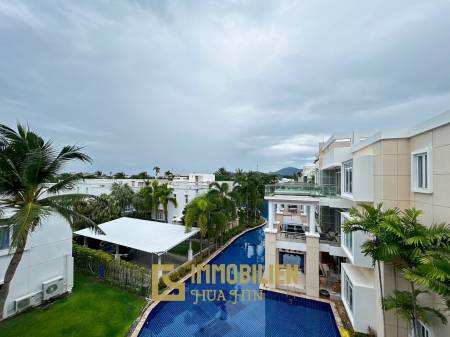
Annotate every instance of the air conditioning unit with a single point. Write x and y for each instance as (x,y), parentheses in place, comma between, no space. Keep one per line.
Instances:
(22,303)
(52,288)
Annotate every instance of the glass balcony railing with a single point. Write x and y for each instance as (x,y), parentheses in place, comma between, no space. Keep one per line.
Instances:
(295,188)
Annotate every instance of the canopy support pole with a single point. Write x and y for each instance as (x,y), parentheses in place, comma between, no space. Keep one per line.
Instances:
(190,250)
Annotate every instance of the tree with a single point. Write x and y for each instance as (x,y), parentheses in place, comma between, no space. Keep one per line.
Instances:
(119,175)
(228,198)
(105,208)
(197,214)
(407,306)
(98,174)
(141,175)
(123,194)
(151,196)
(415,244)
(380,247)
(168,175)
(156,169)
(223,175)
(165,197)
(27,164)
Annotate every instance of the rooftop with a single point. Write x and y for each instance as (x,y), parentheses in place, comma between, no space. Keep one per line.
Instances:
(144,235)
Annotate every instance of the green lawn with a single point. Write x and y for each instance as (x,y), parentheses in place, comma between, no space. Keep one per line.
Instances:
(93,309)
(183,247)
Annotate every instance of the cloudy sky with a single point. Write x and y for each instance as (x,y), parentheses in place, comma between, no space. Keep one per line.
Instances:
(194,85)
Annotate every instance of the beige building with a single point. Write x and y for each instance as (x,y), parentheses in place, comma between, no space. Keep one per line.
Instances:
(408,168)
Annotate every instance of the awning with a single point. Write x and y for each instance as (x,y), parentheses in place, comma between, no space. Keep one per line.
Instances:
(144,235)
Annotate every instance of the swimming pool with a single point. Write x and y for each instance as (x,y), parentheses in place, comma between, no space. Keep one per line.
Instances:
(274,315)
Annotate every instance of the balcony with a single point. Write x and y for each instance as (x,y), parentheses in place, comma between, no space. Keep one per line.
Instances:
(295,188)
(291,236)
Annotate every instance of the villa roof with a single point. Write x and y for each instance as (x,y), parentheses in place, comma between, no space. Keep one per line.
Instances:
(144,235)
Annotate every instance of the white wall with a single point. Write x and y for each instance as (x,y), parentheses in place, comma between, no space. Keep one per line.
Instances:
(48,255)
(363,178)
(364,301)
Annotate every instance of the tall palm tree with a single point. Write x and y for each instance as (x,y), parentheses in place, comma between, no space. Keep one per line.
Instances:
(27,165)
(156,169)
(151,197)
(165,197)
(380,246)
(197,214)
(228,198)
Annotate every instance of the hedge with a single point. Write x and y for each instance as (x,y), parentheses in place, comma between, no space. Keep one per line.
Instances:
(102,265)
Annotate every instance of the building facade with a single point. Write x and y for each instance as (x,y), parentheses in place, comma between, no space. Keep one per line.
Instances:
(404,169)
(46,268)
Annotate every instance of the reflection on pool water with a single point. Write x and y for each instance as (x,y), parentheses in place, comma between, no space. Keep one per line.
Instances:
(274,315)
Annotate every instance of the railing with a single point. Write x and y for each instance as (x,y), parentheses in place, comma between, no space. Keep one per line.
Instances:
(291,236)
(295,188)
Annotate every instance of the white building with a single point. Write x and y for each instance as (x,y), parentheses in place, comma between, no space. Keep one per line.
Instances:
(185,190)
(46,268)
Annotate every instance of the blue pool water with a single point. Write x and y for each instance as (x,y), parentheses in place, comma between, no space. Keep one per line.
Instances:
(274,315)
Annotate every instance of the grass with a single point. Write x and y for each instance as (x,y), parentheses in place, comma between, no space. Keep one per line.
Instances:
(183,247)
(93,309)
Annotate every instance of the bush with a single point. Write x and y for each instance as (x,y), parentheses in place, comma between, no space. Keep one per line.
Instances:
(104,266)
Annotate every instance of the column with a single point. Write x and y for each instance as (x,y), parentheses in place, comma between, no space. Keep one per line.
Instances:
(159,269)
(270,256)
(312,264)
(312,218)
(272,212)
(85,241)
(190,250)
(117,255)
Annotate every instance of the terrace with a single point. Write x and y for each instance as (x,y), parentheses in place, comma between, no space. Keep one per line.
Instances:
(301,189)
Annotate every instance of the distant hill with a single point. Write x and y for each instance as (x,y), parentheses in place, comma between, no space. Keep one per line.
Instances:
(286,171)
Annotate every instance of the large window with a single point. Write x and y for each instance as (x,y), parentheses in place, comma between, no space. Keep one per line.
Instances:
(421,171)
(347,168)
(348,292)
(4,237)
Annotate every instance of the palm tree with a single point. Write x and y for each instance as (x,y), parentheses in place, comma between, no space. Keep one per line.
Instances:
(380,246)
(197,214)
(407,306)
(105,208)
(156,169)
(119,175)
(165,197)
(151,197)
(27,165)
(420,249)
(168,175)
(228,198)
(123,193)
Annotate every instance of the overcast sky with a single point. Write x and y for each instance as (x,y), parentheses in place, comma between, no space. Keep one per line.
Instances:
(194,85)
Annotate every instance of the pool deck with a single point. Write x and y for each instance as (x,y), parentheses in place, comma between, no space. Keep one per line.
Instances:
(137,326)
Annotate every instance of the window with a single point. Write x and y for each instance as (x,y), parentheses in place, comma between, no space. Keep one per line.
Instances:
(348,241)
(421,171)
(186,198)
(4,237)
(348,292)
(347,168)
(160,214)
(140,184)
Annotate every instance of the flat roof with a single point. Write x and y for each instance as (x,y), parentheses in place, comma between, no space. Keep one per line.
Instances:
(292,198)
(359,276)
(145,235)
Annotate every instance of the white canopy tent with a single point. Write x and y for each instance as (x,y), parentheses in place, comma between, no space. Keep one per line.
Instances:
(144,235)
